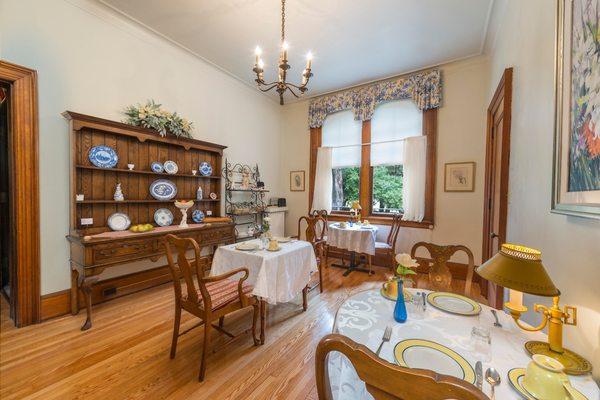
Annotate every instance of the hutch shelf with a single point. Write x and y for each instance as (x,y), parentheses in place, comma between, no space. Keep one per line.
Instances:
(94,247)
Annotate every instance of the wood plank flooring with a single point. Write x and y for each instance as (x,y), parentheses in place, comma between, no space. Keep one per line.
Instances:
(126,353)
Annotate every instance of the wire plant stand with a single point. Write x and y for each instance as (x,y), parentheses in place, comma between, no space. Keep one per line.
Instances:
(244,199)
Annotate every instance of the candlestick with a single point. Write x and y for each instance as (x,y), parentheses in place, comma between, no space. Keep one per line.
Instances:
(309,57)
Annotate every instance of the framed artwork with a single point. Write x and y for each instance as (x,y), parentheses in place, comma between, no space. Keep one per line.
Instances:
(459,177)
(297,181)
(576,180)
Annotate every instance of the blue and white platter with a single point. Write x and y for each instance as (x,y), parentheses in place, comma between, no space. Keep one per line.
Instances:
(205,168)
(118,221)
(157,167)
(163,217)
(103,157)
(163,189)
(197,216)
(170,167)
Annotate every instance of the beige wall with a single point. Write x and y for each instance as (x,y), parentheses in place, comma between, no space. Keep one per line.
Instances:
(461,137)
(570,246)
(90,60)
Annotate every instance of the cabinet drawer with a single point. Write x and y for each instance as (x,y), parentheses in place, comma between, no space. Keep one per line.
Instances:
(123,250)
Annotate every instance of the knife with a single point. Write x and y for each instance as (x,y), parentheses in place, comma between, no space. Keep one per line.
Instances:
(479,375)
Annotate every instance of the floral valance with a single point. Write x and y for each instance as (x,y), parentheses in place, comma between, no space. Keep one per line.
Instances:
(424,88)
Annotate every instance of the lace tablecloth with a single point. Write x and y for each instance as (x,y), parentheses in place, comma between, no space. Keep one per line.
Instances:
(355,238)
(276,276)
(364,316)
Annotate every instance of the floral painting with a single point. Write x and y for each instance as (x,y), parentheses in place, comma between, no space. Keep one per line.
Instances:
(584,147)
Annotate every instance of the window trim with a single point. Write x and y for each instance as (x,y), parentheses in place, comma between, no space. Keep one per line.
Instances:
(366,174)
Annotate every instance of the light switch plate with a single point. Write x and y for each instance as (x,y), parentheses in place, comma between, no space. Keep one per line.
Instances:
(87,221)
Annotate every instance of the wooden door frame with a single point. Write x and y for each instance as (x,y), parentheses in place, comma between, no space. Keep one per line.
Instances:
(503,94)
(23,193)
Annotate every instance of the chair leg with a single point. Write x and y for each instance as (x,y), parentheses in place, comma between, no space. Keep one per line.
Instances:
(263,317)
(305,298)
(205,346)
(255,312)
(175,330)
(326,256)
(320,278)
(221,321)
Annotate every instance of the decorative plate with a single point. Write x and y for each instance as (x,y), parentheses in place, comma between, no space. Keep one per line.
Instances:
(515,377)
(213,195)
(247,246)
(283,239)
(163,217)
(197,216)
(103,157)
(170,167)
(205,168)
(423,354)
(163,189)
(454,303)
(118,222)
(157,167)
(574,364)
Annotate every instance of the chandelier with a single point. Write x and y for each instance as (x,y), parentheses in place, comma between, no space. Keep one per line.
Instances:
(281,85)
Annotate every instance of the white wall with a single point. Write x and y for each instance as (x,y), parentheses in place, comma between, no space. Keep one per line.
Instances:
(570,246)
(91,60)
(461,137)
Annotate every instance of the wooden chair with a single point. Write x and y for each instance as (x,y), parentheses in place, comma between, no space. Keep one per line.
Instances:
(387,381)
(440,276)
(388,247)
(315,236)
(215,296)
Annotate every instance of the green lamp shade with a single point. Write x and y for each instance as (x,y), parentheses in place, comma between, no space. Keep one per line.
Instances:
(519,268)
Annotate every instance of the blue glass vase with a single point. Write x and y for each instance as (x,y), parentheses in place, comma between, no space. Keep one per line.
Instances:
(400,309)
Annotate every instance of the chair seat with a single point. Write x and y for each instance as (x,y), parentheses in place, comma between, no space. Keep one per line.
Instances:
(382,245)
(224,292)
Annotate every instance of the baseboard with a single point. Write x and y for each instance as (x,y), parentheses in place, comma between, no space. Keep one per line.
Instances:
(55,304)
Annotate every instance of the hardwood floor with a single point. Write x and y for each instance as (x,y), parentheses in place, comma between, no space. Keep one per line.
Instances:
(126,353)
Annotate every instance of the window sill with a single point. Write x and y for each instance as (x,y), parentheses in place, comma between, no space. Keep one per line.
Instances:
(383,220)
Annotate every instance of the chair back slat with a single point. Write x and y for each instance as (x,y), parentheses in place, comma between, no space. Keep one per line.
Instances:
(387,381)
(183,267)
(312,233)
(394,229)
(321,225)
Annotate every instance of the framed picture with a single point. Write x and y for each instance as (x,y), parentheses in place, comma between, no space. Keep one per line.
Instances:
(459,177)
(576,180)
(297,181)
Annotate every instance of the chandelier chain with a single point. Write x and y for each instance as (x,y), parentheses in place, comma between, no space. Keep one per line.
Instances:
(282,21)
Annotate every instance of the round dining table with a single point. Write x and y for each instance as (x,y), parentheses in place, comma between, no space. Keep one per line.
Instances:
(356,238)
(364,316)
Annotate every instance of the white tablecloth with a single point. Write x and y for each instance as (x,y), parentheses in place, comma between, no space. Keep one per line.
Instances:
(353,238)
(277,276)
(364,316)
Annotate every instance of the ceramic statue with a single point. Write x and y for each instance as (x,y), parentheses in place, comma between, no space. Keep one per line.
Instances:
(118,196)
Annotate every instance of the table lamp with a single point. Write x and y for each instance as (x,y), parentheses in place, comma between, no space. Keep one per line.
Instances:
(520,269)
(355,208)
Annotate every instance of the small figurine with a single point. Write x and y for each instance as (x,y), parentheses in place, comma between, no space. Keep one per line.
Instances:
(118,196)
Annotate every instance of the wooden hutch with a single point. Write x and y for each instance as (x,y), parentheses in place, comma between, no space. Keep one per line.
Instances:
(94,247)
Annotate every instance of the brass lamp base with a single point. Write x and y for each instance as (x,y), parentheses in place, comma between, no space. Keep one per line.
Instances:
(574,363)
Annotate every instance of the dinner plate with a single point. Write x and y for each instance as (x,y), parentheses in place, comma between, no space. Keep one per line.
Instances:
(205,168)
(163,217)
(283,239)
(454,303)
(247,246)
(170,167)
(163,189)
(197,216)
(157,167)
(118,221)
(425,354)
(103,156)
(515,377)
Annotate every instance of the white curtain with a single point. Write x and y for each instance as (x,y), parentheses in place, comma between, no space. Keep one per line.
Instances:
(392,122)
(344,134)
(413,181)
(323,180)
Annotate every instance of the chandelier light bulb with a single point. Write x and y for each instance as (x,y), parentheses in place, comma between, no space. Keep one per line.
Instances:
(260,63)
(257,51)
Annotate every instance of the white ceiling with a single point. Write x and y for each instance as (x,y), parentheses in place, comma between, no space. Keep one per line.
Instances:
(353,41)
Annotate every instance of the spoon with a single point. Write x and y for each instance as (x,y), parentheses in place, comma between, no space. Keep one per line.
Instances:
(493,378)
(497,323)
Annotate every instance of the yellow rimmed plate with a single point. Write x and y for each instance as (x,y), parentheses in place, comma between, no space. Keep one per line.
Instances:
(454,303)
(425,354)
(515,377)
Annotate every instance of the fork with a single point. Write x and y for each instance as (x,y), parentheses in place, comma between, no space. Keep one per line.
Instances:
(387,334)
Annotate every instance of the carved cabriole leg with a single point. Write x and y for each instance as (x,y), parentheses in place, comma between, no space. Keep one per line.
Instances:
(263,317)
(74,291)
(85,286)
(305,298)
(176,329)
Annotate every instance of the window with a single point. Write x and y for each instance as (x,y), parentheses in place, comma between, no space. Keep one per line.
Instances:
(343,133)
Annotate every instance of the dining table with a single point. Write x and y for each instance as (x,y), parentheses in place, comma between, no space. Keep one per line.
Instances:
(356,238)
(364,316)
(277,276)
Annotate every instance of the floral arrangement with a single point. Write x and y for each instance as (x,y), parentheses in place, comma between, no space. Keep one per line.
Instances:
(154,117)
(266,224)
(405,265)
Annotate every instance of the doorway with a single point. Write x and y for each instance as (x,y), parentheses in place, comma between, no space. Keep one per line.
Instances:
(5,275)
(496,177)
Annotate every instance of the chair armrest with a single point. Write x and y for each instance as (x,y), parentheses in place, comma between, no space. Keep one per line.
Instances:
(227,275)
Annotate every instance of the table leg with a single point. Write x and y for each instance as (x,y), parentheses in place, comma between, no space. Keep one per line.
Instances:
(354,266)
(305,298)
(263,317)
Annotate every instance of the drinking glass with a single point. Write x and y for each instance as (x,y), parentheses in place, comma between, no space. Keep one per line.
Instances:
(481,342)
(416,309)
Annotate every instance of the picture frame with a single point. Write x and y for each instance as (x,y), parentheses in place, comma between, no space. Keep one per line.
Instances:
(297,181)
(576,166)
(459,177)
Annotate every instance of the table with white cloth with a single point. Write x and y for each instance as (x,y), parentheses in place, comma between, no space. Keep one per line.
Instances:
(356,238)
(364,316)
(277,276)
